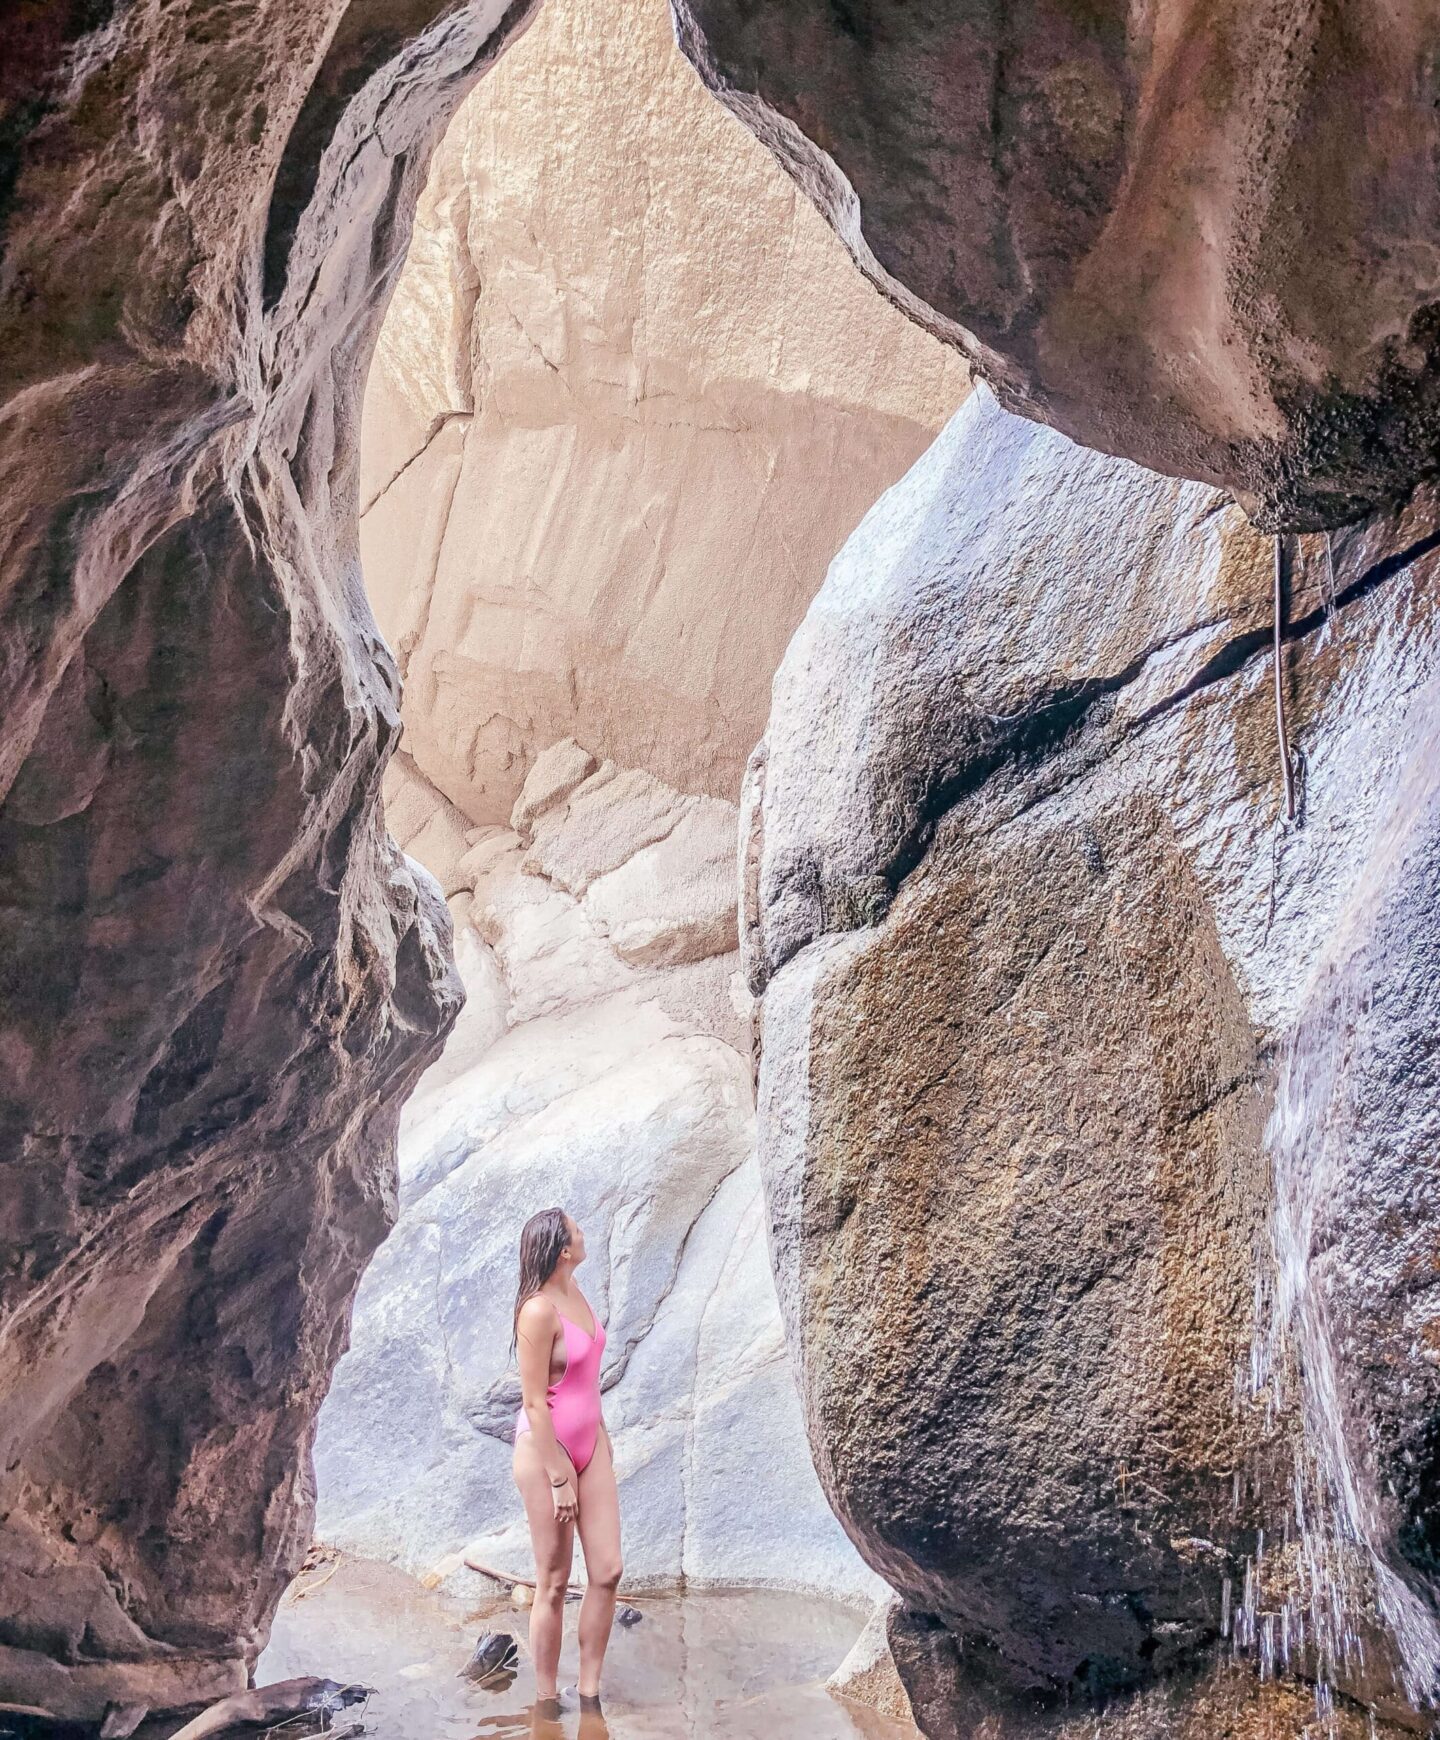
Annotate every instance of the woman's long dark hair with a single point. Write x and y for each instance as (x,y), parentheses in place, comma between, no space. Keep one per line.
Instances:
(542,1238)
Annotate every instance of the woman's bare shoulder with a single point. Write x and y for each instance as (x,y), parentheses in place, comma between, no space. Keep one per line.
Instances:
(538,1314)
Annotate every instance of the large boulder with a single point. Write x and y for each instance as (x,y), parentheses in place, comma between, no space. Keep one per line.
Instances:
(601,1063)
(1199,235)
(218,976)
(630,398)
(1031,931)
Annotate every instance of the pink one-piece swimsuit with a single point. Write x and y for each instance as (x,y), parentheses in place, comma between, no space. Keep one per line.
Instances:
(575,1397)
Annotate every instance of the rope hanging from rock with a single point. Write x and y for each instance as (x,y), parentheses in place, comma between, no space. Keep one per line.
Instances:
(1287,765)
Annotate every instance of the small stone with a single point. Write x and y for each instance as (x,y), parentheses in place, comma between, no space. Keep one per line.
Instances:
(494,1653)
(628,1615)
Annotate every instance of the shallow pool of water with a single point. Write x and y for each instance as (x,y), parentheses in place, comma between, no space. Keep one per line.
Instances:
(744,1665)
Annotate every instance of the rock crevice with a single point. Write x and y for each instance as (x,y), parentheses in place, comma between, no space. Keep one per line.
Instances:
(648,353)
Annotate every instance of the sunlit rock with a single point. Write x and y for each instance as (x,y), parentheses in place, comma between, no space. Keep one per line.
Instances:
(630,398)
(602,1062)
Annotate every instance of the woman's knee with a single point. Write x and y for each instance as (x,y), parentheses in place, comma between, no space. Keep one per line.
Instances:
(606,1575)
(550,1586)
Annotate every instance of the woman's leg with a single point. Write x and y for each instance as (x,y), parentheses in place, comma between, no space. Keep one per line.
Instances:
(554,1545)
(600,1540)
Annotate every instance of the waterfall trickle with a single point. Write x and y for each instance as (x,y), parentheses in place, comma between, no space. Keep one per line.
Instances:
(1331,1592)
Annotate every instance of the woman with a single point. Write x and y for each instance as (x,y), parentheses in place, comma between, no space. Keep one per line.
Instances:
(562,1461)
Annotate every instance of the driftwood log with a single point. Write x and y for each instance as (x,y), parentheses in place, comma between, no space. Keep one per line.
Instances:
(249,1713)
(512,1579)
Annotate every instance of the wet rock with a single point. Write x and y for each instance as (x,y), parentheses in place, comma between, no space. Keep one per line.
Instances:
(218,976)
(1026,959)
(630,398)
(628,1616)
(1121,222)
(494,1652)
(868,1674)
(300,1706)
(121,1720)
(953,1698)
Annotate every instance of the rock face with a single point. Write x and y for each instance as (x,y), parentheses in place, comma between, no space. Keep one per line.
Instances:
(600,1063)
(1199,235)
(218,977)
(630,398)
(1027,956)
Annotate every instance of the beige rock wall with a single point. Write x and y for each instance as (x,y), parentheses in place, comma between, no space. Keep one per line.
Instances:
(630,398)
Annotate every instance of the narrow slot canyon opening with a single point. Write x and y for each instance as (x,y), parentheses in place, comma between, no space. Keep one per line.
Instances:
(630,397)
(1098,1099)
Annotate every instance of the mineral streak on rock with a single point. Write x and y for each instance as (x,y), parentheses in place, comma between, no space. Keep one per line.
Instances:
(1202,235)
(218,976)
(1026,958)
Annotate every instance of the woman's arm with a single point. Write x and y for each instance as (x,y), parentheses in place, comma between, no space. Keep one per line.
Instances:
(535,1338)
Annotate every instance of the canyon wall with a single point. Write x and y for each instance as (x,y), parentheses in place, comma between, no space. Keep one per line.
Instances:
(602,1062)
(218,976)
(1092,1088)
(1201,237)
(630,398)
(1201,234)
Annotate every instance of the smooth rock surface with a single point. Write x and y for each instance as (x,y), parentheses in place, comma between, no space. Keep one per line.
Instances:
(218,976)
(630,398)
(602,1063)
(1202,235)
(1026,960)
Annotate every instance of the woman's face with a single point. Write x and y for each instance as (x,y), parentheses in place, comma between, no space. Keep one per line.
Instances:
(577,1243)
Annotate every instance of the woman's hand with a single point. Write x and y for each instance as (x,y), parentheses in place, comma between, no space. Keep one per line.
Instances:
(567,1504)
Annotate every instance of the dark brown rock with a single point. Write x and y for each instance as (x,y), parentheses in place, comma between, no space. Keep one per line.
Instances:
(1200,235)
(218,977)
(952,1697)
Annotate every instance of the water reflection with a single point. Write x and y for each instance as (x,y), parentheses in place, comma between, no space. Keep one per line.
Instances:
(725,1666)
(544,1721)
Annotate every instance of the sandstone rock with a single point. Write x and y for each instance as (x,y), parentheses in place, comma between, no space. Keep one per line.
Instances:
(429,829)
(600,1063)
(616,813)
(1026,958)
(630,398)
(674,900)
(1204,239)
(218,977)
(555,774)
